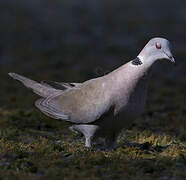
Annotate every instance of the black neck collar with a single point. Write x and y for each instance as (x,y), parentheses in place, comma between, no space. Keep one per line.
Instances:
(137,61)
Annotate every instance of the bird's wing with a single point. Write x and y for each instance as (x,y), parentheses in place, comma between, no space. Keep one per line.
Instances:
(84,104)
(60,85)
(49,109)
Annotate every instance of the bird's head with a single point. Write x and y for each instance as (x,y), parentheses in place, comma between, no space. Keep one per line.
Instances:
(156,49)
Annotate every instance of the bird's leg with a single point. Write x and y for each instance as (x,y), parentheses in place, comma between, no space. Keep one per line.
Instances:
(88,130)
(88,141)
(110,141)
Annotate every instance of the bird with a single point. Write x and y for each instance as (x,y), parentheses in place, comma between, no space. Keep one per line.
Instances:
(102,106)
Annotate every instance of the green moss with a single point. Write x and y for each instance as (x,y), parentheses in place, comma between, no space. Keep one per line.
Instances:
(36,147)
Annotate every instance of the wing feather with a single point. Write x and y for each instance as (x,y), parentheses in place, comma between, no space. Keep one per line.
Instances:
(50,109)
(60,85)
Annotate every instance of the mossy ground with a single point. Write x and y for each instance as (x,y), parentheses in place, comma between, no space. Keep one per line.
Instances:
(33,146)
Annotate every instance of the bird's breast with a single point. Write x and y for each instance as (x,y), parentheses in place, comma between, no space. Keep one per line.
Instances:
(132,101)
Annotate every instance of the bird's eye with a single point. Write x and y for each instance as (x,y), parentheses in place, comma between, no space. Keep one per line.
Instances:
(158,46)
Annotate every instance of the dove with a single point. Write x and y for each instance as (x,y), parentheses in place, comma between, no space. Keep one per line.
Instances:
(103,106)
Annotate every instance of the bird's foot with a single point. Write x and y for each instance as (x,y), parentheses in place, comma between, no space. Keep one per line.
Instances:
(112,147)
(88,142)
(73,129)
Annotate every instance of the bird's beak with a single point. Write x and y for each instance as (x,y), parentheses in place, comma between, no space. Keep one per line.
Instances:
(170,57)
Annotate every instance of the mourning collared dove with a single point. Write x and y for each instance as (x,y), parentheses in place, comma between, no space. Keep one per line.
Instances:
(101,107)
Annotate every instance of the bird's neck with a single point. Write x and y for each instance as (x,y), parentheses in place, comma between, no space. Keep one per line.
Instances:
(147,62)
(136,68)
(132,73)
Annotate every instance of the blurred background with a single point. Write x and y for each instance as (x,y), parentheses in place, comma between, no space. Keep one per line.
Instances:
(76,40)
(72,41)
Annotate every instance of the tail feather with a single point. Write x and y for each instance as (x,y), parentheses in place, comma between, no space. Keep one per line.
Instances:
(38,88)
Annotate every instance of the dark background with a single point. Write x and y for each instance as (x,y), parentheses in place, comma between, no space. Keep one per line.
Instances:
(73,41)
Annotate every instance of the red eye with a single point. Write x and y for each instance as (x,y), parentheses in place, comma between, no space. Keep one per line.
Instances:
(158,46)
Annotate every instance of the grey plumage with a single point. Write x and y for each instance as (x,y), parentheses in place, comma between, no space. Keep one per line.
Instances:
(38,88)
(101,106)
(60,85)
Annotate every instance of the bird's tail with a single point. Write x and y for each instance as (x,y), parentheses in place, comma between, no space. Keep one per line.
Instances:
(38,88)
